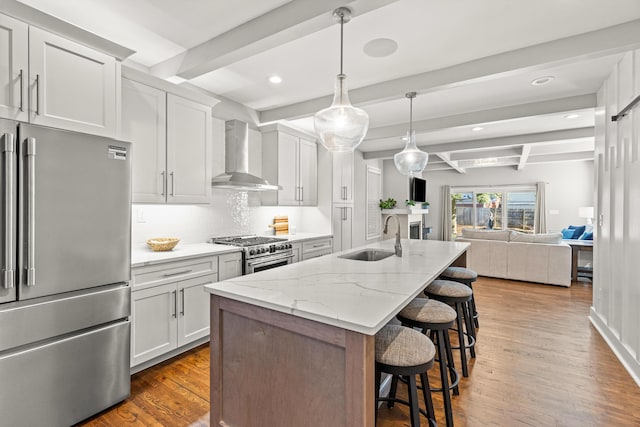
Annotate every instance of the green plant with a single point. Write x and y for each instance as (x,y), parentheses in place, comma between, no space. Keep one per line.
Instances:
(387,204)
(410,203)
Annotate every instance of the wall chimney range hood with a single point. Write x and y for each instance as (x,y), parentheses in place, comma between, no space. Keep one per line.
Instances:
(237,176)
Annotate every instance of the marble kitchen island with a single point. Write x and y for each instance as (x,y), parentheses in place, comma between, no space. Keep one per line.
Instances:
(294,346)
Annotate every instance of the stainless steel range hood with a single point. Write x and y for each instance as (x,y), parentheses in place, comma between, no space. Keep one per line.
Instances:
(237,176)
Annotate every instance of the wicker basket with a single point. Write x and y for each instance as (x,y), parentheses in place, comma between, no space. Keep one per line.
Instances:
(160,244)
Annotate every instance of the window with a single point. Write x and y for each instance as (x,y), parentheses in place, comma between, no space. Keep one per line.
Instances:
(493,208)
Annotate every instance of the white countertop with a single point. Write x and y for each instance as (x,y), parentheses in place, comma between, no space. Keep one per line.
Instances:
(356,295)
(145,256)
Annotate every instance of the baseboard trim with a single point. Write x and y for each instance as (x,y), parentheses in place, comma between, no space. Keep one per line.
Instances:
(628,361)
(173,353)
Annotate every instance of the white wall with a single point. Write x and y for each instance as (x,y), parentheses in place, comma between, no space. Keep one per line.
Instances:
(616,289)
(569,186)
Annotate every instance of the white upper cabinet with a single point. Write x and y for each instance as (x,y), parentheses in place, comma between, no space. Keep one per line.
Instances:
(144,123)
(342,167)
(70,85)
(188,151)
(171,141)
(290,159)
(14,42)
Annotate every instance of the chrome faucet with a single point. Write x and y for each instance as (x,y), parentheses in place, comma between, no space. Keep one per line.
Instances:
(397,246)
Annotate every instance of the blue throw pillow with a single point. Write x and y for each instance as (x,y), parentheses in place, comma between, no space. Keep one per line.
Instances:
(567,233)
(578,230)
(586,236)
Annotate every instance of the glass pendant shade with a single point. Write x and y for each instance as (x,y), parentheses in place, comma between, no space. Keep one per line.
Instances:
(411,161)
(341,127)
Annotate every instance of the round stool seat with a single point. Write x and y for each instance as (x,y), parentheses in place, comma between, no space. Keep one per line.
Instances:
(448,289)
(400,346)
(459,273)
(425,310)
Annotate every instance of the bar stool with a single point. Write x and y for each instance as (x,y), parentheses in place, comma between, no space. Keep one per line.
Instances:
(459,296)
(436,317)
(466,276)
(404,351)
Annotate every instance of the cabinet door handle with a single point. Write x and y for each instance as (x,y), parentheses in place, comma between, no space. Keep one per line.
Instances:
(175,304)
(344,192)
(37,94)
(173,183)
(177,273)
(182,302)
(164,183)
(21,90)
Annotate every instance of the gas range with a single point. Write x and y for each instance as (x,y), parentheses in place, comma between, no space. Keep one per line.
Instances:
(259,252)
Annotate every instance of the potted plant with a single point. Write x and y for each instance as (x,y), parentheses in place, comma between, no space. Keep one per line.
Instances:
(425,205)
(410,203)
(387,204)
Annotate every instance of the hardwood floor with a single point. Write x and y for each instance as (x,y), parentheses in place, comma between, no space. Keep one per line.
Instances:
(539,363)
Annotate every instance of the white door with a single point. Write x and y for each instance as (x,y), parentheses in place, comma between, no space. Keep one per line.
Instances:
(154,322)
(308,170)
(288,170)
(189,136)
(14,46)
(144,124)
(193,309)
(71,86)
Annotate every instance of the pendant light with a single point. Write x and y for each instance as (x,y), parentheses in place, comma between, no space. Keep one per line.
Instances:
(341,127)
(411,161)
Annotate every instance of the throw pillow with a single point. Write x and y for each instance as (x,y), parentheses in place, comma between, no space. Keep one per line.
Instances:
(567,233)
(578,230)
(586,236)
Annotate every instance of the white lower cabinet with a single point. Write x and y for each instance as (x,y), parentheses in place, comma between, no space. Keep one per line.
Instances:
(169,306)
(317,247)
(297,252)
(230,266)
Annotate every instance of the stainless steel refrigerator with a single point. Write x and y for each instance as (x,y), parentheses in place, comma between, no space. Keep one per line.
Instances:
(64,285)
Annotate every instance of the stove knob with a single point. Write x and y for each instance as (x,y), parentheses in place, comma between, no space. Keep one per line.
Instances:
(252,252)
(288,245)
(263,250)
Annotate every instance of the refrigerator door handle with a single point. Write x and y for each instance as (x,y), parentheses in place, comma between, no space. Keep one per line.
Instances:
(8,150)
(30,154)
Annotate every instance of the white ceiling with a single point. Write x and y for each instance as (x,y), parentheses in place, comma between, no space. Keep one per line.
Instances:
(470,61)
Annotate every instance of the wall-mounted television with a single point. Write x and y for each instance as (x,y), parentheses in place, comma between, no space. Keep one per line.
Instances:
(418,189)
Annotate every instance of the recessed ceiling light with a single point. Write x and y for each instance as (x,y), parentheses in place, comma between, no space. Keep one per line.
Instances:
(542,80)
(477,128)
(276,80)
(379,48)
(572,116)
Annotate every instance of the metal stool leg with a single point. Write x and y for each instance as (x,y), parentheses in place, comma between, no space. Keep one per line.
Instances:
(444,375)
(461,340)
(450,362)
(414,409)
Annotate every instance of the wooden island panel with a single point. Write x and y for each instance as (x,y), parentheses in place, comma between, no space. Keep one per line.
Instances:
(270,368)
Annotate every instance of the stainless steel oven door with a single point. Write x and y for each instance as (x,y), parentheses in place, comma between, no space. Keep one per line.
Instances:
(266,263)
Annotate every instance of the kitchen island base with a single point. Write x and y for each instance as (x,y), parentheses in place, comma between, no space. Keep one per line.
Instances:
(277,369)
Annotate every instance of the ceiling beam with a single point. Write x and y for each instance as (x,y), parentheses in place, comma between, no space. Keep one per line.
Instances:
(526,149)
(562,157)
(504,141)
(607,41)
(291,21)
(570,103)
(452,163)
(483,154)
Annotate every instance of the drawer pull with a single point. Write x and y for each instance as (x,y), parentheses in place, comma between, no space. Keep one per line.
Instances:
(177,273)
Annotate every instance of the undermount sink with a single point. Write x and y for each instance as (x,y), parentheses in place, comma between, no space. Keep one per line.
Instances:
(368,255)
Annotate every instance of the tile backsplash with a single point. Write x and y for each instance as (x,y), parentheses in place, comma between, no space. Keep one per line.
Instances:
(230,213)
